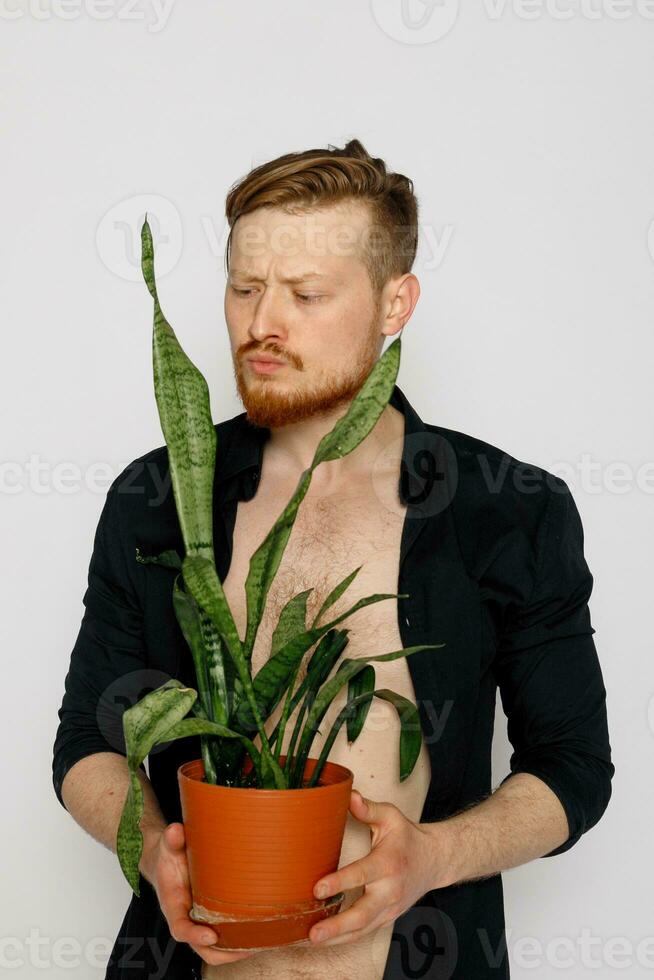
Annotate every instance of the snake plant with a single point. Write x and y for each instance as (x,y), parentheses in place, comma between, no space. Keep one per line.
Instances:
(230,708)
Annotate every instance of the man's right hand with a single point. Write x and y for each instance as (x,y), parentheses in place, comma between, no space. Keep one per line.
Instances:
(165,866)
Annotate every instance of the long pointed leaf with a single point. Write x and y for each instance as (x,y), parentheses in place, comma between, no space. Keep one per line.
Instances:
(330,689)
(271,681)
(202,581)
(320,666)
(365,409)
(335,594)
(292,620)
(410,730)
(361,683)
(144,725)
(182,399)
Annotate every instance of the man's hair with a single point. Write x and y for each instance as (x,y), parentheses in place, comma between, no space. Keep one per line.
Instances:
(309,180)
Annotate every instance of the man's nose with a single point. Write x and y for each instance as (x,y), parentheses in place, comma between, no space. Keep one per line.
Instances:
(269,317)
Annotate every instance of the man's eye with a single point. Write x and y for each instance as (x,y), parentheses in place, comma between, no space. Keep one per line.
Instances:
(304,297)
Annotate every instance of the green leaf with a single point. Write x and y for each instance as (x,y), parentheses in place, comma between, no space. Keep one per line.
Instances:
(146,721)
(144,725)
(410,729)
(324,657)
(265,562)
(292,620)
(182,399)
(187,613)
(410,732)
(272,679)
(365,408)
(336,593)
(330,689)
(361,683)
(202,726)
(201,580)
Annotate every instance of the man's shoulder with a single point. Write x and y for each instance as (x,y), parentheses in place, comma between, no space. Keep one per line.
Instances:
(488,468)
(146,471)
(493,494)
(142,491)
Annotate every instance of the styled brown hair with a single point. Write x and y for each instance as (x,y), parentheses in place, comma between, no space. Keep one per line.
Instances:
(307,181)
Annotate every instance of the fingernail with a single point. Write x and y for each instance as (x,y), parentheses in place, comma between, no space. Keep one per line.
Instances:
(318,934)
(321,891)
(208,938)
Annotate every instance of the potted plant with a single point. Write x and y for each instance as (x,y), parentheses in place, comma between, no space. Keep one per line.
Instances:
(261,827)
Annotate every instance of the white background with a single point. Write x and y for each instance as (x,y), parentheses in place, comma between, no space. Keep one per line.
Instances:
(527,130)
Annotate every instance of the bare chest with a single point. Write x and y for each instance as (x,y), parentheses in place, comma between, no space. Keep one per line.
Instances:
(332,535)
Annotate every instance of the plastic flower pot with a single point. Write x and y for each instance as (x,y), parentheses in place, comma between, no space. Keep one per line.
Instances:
(254,855)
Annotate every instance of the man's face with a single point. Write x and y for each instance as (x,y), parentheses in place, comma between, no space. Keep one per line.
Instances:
(326,328)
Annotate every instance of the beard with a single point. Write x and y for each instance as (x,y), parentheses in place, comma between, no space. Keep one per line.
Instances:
(284,398)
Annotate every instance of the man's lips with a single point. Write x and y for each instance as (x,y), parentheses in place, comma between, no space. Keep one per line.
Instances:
(265,359)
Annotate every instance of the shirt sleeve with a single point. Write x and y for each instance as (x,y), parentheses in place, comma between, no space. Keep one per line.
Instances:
(549,676)
(109,645)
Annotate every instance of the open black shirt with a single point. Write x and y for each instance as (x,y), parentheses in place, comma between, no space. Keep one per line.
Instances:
(492,558)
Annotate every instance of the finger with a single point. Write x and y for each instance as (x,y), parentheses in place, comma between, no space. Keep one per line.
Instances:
(184,930)
(360,918)
(215,957)
(362,872)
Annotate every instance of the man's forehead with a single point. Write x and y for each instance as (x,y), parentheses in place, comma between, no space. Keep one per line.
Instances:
(253,272)
(321,241)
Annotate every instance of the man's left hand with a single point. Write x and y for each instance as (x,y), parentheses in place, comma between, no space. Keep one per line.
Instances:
(402,866)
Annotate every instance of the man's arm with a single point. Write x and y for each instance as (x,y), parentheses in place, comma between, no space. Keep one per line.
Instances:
(94,792)
(522,820)
(108,653)
(553,694)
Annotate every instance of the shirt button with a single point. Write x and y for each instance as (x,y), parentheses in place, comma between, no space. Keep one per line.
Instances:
(406,620)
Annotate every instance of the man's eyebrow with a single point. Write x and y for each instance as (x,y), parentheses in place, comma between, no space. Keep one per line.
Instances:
(311,274)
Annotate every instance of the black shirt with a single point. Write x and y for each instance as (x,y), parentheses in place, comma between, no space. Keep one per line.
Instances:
(492,558)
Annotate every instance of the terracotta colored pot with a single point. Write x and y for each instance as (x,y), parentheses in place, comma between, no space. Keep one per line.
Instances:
(254,855)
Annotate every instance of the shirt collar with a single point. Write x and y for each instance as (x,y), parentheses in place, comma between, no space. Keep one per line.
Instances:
(245,444)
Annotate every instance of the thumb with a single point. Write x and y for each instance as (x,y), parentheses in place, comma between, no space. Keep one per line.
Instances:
(363,808)
(173,836)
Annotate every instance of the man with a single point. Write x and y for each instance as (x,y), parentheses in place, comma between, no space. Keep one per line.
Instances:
(486,551)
